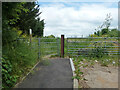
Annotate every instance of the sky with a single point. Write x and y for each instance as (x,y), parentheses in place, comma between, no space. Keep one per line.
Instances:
(76,19)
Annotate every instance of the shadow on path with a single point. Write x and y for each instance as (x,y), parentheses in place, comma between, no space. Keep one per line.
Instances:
(55,73)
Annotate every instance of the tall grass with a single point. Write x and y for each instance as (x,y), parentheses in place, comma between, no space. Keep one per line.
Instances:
(18,58)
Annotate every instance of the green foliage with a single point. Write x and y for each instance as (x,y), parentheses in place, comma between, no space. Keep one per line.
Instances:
(104,28)
(111,60)
(7,79)
(30,19)
(108,32)
(10,12)
(50,36)
(76,77)
(95,33)
(98,33)
(38,28)
(97,52)
(17,61)
(77,70)
(19,55)
(113,33)
(45,62)
(104,31)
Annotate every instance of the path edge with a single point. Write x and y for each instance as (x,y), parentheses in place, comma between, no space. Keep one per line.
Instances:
(26,75)
(75,81)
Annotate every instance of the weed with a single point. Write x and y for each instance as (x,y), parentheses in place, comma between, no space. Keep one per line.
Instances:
(18,59)
(32,72)
(45,62)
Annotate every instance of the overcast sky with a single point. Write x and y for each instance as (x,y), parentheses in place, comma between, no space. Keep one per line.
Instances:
(76,18)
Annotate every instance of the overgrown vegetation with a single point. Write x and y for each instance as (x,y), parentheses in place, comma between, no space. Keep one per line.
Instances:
(102,50)
(19,55)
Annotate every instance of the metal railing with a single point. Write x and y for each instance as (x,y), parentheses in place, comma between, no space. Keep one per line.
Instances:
(93,45)
(43,46)
(48,46)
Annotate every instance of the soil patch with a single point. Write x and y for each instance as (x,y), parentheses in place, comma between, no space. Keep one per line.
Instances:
(97,76)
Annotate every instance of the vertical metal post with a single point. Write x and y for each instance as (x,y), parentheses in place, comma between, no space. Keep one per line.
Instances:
(105,44)
(67,48)
(38,48)
(62,46)
(58,47)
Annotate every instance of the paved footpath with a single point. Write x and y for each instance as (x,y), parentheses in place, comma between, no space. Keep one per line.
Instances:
(56,73)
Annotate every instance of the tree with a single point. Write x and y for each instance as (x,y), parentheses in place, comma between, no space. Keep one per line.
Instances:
(95,33)
(106,24)
(98,33)
(10,13)
(104,28)
(38,28)
(30,20)
(50,36)
(104,31)
(17,55)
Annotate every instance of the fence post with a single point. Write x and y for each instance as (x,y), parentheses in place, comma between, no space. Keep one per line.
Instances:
(58,47)
(67,47)
(30,35)
(62,46)
(38,48)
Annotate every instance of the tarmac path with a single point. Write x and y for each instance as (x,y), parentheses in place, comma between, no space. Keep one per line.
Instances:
(53,73)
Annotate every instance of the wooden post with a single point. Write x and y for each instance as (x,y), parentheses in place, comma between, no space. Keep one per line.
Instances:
(30,35)
(62,46)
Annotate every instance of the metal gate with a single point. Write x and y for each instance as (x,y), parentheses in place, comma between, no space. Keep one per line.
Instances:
(93,46)
(48,46)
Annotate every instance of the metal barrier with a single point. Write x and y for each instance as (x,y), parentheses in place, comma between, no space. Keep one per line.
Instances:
(43,46)
(48,46)
(93,45)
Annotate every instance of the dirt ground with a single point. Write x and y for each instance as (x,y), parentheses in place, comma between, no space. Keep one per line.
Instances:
(97,76)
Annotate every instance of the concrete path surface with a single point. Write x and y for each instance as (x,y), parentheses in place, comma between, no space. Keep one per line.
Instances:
(54,73)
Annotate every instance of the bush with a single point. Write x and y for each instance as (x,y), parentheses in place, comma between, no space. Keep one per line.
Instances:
(7,78)
(18,58)
(97,52)
(104,31)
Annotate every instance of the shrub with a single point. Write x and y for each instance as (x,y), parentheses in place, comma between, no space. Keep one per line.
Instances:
(97,52)
(18,58)
(7,78)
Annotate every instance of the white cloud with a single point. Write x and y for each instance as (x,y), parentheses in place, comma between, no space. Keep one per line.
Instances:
(61,19)
(78,0)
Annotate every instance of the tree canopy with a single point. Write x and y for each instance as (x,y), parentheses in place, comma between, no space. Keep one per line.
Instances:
(31,20)
(104,28)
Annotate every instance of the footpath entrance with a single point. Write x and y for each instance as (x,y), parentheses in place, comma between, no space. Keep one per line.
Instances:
(56,74)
